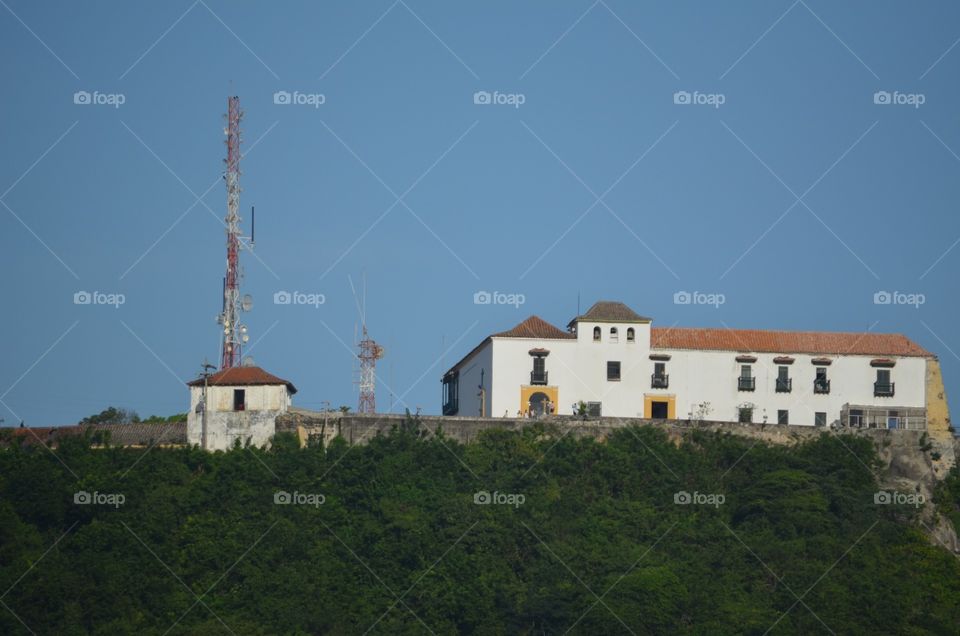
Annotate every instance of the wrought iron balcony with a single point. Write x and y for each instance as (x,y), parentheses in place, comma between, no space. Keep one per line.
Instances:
(883,389)
(746,384)
(821,386)
(784,385)
(659,381)
(538,377)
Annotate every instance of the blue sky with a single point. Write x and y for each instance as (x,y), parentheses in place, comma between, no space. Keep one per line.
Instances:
(798,198)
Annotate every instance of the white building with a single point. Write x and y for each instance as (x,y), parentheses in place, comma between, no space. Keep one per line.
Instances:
(242,403)
(618,364)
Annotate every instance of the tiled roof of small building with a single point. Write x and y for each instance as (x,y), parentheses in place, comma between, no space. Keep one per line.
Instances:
(610,311)
(812,342)
(535,327)
(243,376)
(134,434)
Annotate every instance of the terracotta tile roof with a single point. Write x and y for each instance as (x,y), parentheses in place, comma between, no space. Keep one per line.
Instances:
(610,311)
(535,327)
(812,342)
(242,376)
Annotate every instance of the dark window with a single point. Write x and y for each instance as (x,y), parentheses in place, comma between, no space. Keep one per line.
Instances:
(819,418)
(883,386)
(596,334)
(821,384)
(451,393)
(746,381)
(539,373)
(856,418)
(631,335)
(784,383)
(893,419)
(659,379)
(239,400)
(594,409)
(613,370)
(783,417)
(745,414)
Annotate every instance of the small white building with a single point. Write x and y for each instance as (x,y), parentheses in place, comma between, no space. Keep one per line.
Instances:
(242,403)
(617,363)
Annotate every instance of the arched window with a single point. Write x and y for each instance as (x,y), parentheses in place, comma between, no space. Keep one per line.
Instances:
(631,336)
(596,334)
(614,336)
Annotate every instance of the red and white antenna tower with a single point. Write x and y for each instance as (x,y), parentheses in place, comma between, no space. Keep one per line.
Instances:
(370,352)
(234,333)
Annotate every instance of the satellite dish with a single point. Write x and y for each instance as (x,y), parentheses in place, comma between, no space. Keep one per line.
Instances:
(247,361)
(246,303)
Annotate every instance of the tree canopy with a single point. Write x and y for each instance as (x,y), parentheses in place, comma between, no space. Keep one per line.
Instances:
(516,533)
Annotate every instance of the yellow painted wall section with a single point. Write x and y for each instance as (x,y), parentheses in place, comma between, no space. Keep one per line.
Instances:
(527,391)
(938,414)
(671,401)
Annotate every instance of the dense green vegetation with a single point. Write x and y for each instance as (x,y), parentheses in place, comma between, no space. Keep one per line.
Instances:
(597,544)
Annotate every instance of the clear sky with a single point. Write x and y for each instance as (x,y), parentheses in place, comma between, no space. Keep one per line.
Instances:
(782,185)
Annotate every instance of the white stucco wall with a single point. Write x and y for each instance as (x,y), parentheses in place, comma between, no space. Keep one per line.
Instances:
(469,387)
(578,368)
(224,425)
(711,376)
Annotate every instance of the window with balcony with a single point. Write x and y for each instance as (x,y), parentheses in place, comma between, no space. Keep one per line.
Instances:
(539,373)
(883,387)
(659,379)
(820,383)
(613,371)
(784,383)
(746,381)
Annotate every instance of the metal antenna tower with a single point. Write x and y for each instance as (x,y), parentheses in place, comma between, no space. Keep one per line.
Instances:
(234,333)
(370,352)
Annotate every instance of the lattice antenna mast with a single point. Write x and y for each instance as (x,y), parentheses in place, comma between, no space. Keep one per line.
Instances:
(234,332)
(370,352)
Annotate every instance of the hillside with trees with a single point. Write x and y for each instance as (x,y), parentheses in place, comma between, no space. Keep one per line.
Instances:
(516,533)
